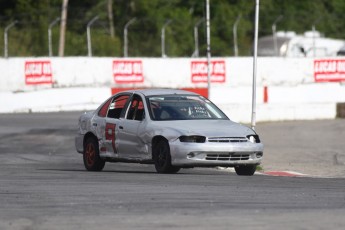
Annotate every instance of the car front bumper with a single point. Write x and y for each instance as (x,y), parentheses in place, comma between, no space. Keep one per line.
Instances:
(78,142)
(215,154)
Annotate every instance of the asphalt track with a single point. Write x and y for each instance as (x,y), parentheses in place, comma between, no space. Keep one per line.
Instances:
(43,184)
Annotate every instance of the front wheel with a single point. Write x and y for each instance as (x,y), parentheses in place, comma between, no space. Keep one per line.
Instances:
(162,158)
(92,160)
(245,170)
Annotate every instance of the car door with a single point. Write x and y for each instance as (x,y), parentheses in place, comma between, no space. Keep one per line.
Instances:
(131,145)
(109,143)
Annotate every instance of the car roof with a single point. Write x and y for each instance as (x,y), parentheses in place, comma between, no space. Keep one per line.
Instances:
(155,92)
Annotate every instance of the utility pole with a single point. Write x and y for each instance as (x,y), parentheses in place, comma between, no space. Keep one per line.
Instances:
(63,27)
(111,18)
(256,33)
(208,50)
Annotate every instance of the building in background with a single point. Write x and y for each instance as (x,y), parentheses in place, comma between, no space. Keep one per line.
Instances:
(309,44)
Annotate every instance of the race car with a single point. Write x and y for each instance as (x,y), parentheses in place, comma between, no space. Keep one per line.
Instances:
(169,128)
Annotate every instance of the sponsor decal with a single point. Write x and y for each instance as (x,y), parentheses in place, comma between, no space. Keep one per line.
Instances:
(128,71)
(217,71)
(331,70)
(38,72)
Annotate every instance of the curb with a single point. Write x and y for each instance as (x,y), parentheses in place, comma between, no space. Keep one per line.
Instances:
(283,174)
(271,173)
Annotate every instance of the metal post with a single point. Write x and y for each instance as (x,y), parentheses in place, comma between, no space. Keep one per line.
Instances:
(208,41)
(314,31)
(6,37)
(314,36)
(235,35)
(274,33)
(163,37)
(196,37)
(255,63)
(50,36)
(88,34)
(125,42)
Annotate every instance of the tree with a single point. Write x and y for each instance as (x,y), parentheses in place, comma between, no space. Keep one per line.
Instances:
(29,36)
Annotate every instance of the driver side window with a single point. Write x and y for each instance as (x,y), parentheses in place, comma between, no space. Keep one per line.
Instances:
(116,106)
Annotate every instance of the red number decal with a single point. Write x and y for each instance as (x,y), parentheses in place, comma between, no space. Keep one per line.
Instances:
(110,134)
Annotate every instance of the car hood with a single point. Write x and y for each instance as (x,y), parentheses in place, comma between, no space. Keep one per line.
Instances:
(208,128)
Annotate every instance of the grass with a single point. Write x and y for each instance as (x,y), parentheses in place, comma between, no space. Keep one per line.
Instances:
(259,168)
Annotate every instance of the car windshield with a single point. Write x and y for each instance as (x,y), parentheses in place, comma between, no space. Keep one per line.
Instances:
(183,107)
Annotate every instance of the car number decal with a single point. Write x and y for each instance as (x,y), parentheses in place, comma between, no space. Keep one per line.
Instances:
(110,134)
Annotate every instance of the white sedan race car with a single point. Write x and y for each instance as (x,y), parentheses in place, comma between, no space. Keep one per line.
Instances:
(172,129)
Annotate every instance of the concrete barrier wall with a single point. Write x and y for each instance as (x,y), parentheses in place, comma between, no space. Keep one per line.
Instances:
(157,72)
(291,88)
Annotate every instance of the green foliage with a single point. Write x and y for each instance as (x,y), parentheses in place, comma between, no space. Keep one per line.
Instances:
(29,37)
(260,168)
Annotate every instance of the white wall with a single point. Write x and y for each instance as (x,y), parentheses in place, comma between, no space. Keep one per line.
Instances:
(292,90)
(158,72)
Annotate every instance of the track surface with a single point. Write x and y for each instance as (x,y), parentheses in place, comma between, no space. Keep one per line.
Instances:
(43,184)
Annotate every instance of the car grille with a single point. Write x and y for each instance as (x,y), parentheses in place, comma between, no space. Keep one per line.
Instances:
(227,139)
(227,157)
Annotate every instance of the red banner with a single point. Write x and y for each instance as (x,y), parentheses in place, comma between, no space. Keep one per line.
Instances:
(38,72)
(199,71)
(128,71)
(331,70)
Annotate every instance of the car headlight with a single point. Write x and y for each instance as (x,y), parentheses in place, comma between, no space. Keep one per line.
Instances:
(193,139)
(253,138)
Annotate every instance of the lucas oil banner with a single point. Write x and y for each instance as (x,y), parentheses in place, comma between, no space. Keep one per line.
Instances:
(217,71)
(128,71)
(329,70)
(38,72)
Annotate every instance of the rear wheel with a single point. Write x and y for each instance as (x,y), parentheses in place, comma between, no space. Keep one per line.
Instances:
(92,160)
(162,158)
(245,170)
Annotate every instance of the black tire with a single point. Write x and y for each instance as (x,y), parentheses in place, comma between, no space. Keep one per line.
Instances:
(162,158)
(92,160)
(245,170)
